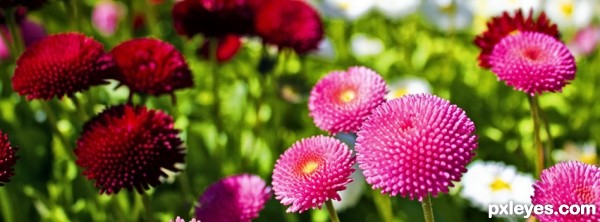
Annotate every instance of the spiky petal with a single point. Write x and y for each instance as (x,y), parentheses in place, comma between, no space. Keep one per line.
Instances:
(7,159)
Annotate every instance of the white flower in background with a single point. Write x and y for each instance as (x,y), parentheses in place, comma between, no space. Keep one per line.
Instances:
(395,9)
(362,45)
(584,152)
(354,190)
(325,50)
(407,86)
(448,15)
(488,183)
(570,13)
(348,9)
(496,7)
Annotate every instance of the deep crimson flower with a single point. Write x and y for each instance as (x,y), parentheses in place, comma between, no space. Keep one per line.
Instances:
(7,159)
(290,24)
(415,145)
(237,198)
(533,62)
(342,100)
(506,24)
(311,172)
(59,65)
(129,147)
(214,18)
(227,47)
(151,66)
(568,183)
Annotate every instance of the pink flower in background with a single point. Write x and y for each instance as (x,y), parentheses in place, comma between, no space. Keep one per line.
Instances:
(415,145)
(106,16)
(4,48)
(237,198)
(569,183)
(342,100)
(533,62)
(311,172)
(585,40)
(32,32)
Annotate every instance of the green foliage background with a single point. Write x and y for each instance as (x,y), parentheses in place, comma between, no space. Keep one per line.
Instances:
(234,120)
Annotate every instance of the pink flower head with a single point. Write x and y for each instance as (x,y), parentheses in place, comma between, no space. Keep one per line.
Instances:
(568,183)
(533,63)
(585,40)
(106,16)
(415,145)
(236,198)
(341,101)
(311,172)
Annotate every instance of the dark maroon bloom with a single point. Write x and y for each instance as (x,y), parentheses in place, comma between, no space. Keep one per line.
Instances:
(290,24)
(129,147)
(227,47)
(7,159)
(151,66)
(59,65)
(214,18)
(506,24)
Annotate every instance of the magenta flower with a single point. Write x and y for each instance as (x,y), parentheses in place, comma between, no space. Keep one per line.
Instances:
(533,63)
(415,145)
(569,183)
(341,101)
(311,172)
(106,16)
(236,198)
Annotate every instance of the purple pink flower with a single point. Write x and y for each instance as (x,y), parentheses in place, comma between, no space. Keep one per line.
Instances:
(415,145)
(311,172)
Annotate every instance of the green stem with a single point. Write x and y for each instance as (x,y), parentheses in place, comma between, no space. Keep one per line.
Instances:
(15,33)
(332,214)
(384,206)
(427,209)
(147,207)
(6,206)
(79,109)
(151,22)
(536,131)
(54,126)
(73,7)
(549,140)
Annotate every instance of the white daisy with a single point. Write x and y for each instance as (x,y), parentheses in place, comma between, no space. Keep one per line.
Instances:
(354,190)
(395,9)
(325,50)
(570,13)
(496,8)
(362,46)
(448,15)
(584,152)
(407,86)
(348,9)
(488,183)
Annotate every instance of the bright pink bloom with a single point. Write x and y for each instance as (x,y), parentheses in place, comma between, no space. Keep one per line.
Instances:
(415,145)
(59,65)
(106,16)
(342,100)
(568,183)
(533,63)
(237,198)
(151,66)
(311,172)
(7,159)
(129,147)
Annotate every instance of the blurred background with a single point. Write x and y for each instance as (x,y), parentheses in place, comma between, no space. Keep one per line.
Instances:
(246,111)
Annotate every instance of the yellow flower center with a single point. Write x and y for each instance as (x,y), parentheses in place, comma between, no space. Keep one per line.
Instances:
(449,9)
(344,6)
(513,32)
(567,8)
(499,185)
(310,167)
(347,96)
(397,93)
(589,158)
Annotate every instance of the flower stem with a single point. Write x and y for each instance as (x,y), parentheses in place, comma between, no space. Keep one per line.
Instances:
(384,206)
(15,33)
(5,206)
(549,139)
(427,209)
(147,207)
(332,214)
(536,132)
(52,120)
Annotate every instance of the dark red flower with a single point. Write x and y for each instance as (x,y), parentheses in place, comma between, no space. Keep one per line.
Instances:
(227,47)
(129,147)
(59,65)
(7,159)
(214,18)
(501,26)
(290,23)
(151,66)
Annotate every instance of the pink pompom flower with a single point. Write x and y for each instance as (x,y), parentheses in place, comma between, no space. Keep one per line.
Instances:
(235,198)
(107,15)
(342,100)
(311,172)
(533,63)
(568,183)
(415,145)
